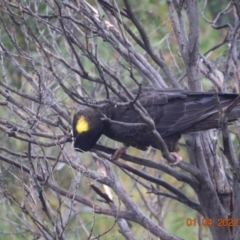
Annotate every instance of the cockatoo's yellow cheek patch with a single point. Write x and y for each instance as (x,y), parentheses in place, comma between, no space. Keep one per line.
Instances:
(82,125)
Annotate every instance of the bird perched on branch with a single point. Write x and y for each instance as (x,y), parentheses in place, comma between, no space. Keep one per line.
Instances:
(174,112)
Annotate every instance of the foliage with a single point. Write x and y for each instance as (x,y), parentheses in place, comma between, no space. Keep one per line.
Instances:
(59,55)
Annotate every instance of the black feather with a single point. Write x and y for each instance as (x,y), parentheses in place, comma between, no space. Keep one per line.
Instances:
(174,112)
